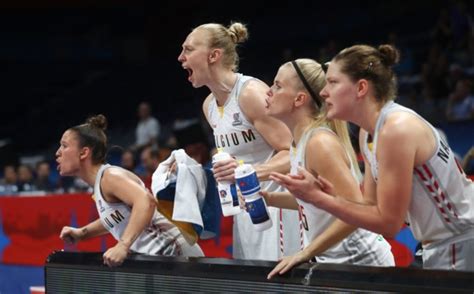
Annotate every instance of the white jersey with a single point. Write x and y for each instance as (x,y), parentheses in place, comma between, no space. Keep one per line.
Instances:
(160,237)
(442,201)
(361,247)
(238,137)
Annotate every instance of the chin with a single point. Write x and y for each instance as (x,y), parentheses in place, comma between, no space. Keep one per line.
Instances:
(332,114)
(196,85)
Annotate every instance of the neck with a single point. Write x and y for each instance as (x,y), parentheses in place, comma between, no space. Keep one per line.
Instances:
(89,173)
(367,117)
(222,84)
(299,127)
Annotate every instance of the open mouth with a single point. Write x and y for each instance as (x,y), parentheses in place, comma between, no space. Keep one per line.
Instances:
(190,73)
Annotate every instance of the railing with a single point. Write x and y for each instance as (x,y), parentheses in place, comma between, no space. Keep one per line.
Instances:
(85,272)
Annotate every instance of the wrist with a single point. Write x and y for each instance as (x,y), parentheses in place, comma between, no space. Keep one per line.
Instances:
(83,233)
(126,244)
(268,199)
(306,255)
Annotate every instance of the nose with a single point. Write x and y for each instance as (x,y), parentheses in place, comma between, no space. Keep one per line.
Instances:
(58,152)
(324,93)
(269,92)
(181,57)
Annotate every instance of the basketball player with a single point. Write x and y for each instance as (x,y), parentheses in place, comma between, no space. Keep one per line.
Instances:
(294,99)
(235,109)
(127,210)
(411,173)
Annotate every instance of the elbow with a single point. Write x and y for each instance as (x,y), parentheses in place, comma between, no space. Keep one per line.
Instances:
(390,230)
(152,205)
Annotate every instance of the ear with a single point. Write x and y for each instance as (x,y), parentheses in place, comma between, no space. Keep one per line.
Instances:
(300,99)
(85,152)
(214,55)
(362,88)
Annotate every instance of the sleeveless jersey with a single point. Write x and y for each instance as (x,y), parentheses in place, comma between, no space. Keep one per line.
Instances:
(160,237)
(360,247)
(442,200)
(238,137)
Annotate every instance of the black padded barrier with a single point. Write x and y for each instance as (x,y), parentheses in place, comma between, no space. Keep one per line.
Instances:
(85,273)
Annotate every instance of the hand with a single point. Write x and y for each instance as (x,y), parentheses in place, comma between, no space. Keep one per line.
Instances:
(304,185)
(116,255)
(173,168)
(71,235)
(241,201)
(224,170)
(287,263)
(266,196)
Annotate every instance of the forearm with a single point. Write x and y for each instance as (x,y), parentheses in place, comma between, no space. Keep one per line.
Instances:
(93,229)
(334,234)
(364,215)
(281,200)
(142,213)
(280,162)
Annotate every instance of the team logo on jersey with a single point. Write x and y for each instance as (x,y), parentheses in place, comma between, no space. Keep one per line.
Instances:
(101,208)
(237,120)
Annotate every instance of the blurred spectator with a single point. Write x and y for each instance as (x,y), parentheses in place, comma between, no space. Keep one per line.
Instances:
(407,63)
(428,108)
(435,72)
(462,23)
(147,130)
(191,137)
(43,180)
(461,102)
(25,179)
(8,185)
(468,162)
(127,161)
(442,32)
(73,185)
(150,161)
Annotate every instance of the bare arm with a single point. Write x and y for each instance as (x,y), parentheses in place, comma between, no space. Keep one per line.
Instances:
(280,200)
(396,151)
(119,186)
(275,132)
(116,185)
(73,235)
(336,168)
(93,229)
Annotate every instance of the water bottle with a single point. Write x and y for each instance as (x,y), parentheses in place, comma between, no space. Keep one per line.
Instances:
(227,190)
(249,186)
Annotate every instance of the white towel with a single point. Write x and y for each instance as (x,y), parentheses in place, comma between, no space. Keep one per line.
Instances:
(190,186)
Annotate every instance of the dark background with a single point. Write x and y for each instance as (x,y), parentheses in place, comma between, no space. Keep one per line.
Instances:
(65,60)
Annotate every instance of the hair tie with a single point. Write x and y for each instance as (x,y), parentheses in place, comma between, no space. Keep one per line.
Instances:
(305,84)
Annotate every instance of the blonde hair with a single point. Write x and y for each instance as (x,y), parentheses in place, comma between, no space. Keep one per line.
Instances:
(315,77)
(226,39)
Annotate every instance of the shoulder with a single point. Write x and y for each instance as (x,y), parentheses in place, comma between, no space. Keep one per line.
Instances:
(323,144)
(115,177)
(205,104)
(252,98)
(324,152)
(112,175)
(252,90)
(401,126)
